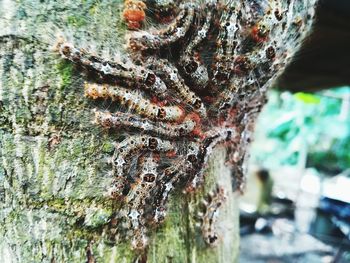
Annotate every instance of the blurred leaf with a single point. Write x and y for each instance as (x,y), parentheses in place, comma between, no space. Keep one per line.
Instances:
(307,98)
(288,122)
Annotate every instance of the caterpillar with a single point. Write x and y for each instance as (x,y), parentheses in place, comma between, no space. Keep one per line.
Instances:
(141,191)
(189,126)
(134,13)
(190,61)
(200,157)
(130,146)
(172,78)
(166,36)
(170,177)
(125,73)
(212,204)
(134,101)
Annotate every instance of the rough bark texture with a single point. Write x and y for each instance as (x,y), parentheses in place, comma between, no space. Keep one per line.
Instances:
(53,171)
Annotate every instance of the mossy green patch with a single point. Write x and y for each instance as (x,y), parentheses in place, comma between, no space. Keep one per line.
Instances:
(96,217)
(65,70)
(76,21)
(107,147)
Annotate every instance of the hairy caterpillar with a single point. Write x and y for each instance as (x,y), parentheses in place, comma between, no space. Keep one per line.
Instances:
(166,36)
(134,101)
(189,126)
(212,204)
(191,61)
(134,13)
(125,73)
(134,144)
(200,158)
(137,196)
(173,80)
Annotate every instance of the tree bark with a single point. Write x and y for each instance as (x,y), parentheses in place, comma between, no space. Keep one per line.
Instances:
(53,171)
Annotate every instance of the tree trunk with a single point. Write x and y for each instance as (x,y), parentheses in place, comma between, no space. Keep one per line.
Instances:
(58,167)
(53,171)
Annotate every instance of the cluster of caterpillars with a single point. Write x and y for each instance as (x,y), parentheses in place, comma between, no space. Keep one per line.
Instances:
(192,83)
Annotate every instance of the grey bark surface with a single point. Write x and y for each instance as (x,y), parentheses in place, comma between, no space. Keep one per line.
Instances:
(53,169)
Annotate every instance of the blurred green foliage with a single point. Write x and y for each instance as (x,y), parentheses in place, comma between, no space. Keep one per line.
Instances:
(292,124)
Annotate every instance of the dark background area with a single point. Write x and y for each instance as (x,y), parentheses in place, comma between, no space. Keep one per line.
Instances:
(324,60)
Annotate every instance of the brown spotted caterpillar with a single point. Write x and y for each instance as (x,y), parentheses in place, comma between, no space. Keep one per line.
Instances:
(197,80)
(209,216)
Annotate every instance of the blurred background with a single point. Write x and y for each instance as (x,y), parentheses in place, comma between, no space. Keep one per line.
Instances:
(296,207)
